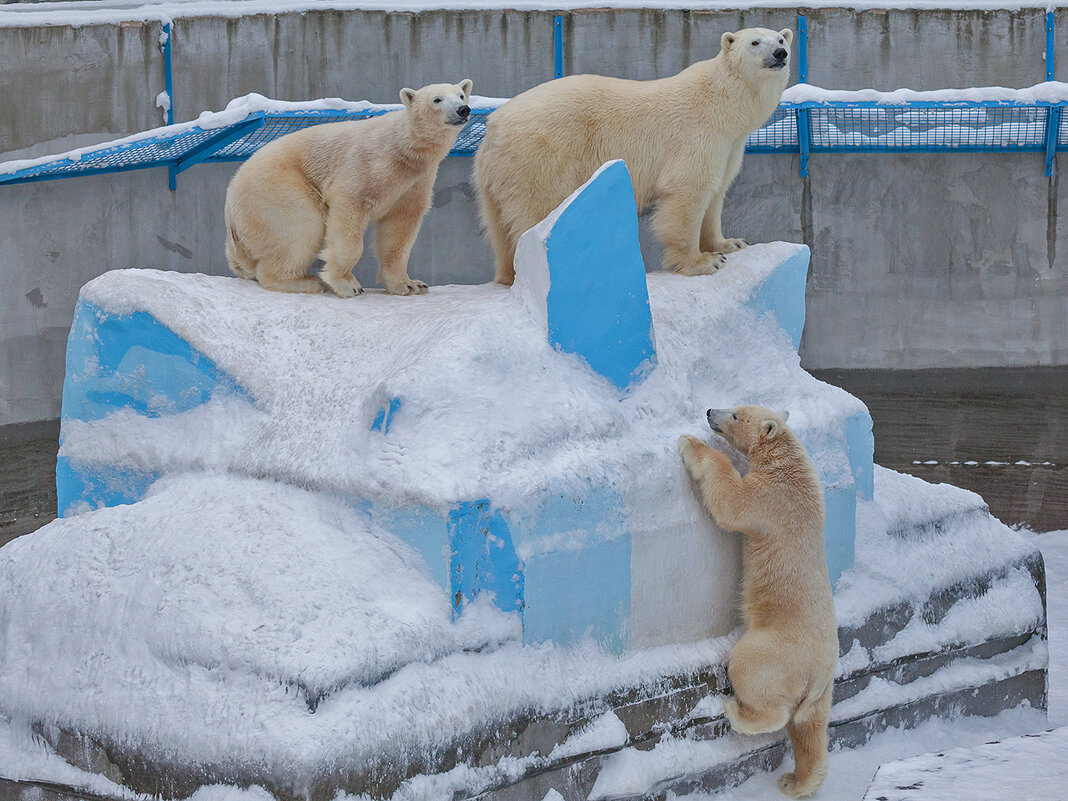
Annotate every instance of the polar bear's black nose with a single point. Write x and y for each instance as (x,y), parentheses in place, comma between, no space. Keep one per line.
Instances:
(463,111)
(780,53)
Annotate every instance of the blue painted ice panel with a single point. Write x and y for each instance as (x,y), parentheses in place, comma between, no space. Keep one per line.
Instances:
(783,295)
(840,529)
(574,594)
(483,558)
(598,303)
(860,442)
(128,361)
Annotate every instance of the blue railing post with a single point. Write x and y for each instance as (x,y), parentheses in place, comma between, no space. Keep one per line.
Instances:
(803,139)
(172,173)
(1050,55)
(558,46)
(1053,121)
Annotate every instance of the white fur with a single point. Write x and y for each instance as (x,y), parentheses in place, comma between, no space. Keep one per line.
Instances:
(315,192)
(682,139)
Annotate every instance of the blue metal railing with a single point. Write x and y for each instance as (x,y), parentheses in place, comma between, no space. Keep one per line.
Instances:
(991,126)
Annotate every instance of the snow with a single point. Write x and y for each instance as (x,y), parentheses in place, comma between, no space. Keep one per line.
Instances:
(1055,554)
(1047,91)
(916,535)
(1027,768)
(98,12)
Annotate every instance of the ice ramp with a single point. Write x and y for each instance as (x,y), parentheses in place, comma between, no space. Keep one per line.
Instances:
(481,424)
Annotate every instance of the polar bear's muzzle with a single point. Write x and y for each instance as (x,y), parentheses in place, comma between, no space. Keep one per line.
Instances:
(460,115)
(777,60)
(714,416)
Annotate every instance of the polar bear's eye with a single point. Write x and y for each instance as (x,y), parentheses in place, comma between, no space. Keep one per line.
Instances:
(755,42)
(734,416)
(437,99)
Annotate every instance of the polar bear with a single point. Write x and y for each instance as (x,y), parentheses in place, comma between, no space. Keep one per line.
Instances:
(682,139)
(313,193)
(782,669)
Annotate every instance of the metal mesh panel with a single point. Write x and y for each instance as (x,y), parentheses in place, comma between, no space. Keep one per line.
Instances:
(278,124)
(471,136)
(150,152)
(1062,129)
(926,129)
(777,134)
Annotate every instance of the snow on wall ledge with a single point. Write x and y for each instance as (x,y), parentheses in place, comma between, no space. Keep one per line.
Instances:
(462,424)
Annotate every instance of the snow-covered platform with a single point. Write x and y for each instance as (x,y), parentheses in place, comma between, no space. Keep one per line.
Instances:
(443,546)
(471,425)
(1027,768)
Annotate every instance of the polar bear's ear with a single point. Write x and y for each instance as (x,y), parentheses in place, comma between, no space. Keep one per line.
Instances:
(787,34)
(465,86)
(407,96)
(769,428)
(726,40)
(785,415)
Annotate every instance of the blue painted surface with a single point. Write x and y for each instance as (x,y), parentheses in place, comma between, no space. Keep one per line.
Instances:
(1051,51)
(606,323)
(385,415)
(582,593)
(98,485)
(580,584)
(483,557)
(423,528)
(860,442)
(558,46)
(783,295)
(127,362)
(840,529)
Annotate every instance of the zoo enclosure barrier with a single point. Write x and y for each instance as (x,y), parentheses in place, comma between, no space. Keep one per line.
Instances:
(809,120)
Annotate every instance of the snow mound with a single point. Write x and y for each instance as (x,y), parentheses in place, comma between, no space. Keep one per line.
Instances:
(228,574)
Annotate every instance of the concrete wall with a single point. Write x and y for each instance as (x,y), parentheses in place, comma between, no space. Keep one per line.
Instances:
(918,260)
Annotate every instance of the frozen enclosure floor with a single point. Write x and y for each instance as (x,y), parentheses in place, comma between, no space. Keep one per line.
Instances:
(1026,768)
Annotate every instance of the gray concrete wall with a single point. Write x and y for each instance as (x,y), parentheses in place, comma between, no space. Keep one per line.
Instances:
(918,260)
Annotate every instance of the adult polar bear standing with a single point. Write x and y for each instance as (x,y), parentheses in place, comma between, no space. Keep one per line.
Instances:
(316,191)
(682,139)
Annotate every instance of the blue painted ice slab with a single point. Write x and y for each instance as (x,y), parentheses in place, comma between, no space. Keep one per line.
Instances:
(860,441)
(133,361)
(593,581)
(598,301)
(98,485)
(384,417)
(483,557)
(839,529)
(129,361)
(783,295)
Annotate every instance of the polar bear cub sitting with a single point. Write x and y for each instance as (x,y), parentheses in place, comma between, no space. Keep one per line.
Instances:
(315,192)
(782,669)
(681,137)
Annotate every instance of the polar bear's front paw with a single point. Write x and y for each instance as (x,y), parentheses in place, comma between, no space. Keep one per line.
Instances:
(409,286)
(345,287)
(730,245)
(706,264)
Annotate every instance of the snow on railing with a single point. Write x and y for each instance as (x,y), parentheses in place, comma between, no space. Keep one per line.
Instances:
(809,120)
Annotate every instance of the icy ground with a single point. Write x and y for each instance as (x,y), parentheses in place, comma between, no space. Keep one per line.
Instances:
(852,770)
